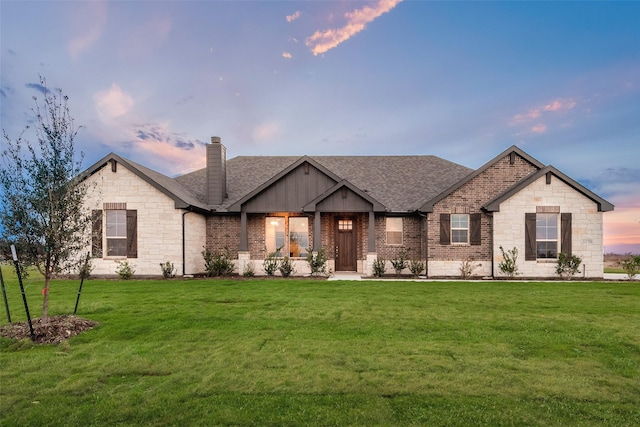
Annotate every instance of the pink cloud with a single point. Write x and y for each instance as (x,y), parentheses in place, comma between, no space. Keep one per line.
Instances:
(88,23)
(113,102)
(323,41)
(540,128)
(291,18)
(556,106)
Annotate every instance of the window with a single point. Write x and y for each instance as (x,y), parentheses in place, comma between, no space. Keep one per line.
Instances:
(543,236)
(274,235)
(298,237)
(120,231)
(547,235)
(394,231)
(116,232)
(345,224)
(459,228)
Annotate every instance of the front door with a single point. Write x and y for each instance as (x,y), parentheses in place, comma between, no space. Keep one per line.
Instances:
(345,245)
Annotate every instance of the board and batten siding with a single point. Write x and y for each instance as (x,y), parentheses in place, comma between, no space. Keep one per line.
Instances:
(159,224)
(586,228)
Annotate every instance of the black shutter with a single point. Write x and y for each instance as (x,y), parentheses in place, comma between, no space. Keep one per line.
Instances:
(530,237)
(96,233)
(565,229)
(445,229)
(132,234)
(476,229)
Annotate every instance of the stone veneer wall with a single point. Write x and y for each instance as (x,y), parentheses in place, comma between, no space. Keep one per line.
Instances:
(159,223)
(586,227)
(445,260)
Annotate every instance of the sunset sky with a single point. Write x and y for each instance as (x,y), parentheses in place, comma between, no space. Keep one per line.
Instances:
(154,80)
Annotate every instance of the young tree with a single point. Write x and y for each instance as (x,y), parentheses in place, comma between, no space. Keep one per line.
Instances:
(42,207)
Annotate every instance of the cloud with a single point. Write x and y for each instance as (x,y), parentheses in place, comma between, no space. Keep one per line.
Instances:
(88,23)
(286,55)
(37,86)
(143,39)
(533,119)
(322,41)
(165,149)
(539,128)
(557,105)
(265,131)
(291,18)
(113,103)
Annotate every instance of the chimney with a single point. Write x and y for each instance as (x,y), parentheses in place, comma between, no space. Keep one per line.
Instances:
(216,171)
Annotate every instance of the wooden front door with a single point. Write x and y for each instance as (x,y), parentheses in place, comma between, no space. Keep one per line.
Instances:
(345,244)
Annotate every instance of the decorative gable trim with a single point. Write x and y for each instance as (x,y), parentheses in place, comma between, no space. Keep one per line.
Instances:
(237,206)
(151,177)
(511,152)
(344,187)
(494,205)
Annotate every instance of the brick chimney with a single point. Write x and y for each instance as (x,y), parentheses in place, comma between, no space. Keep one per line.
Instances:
(216,171)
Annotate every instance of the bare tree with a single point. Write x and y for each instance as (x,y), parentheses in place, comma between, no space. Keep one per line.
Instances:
(42,207)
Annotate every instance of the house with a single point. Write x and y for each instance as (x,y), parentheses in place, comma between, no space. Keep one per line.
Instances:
(357,208)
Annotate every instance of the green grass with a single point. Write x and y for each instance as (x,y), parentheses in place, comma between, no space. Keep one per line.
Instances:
(619,270)
(295,352)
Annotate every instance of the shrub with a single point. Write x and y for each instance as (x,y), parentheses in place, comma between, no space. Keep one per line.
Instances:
(400,263)
(416,266)
(125,270)
(168,270)
(286,267)
(271,263)
(568,265)
(85,268)
(249,269)
(379,267)
(318,262)
(631,266)
(466,268)
(218,263)
(509,264)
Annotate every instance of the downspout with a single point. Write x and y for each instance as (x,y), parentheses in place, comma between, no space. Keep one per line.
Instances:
(184,245)
(426,243)
(490,215)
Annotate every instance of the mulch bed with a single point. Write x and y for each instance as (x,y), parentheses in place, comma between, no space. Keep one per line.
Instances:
(54,330)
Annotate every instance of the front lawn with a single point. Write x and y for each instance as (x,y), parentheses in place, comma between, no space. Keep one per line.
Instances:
(296,352)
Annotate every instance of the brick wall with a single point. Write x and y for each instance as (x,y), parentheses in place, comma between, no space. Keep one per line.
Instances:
(445,260)
(223,233)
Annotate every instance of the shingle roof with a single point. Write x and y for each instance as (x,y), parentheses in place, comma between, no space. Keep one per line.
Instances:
(494,205)
(401,183)
(182,197)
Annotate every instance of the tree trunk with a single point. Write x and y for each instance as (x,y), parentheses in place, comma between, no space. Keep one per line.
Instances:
(45,299)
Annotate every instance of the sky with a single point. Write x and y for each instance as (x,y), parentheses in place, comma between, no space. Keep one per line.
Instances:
(154,80)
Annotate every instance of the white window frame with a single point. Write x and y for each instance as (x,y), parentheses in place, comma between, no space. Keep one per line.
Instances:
(115,231)
(458,226)
(394,228)
(547,233)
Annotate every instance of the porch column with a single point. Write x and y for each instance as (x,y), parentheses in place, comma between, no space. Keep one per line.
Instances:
(372,232)
(244,242)
(317,231)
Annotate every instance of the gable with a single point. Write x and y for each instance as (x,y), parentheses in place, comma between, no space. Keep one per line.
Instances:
(488,181)
(171,188)
(548,173)
(290,191)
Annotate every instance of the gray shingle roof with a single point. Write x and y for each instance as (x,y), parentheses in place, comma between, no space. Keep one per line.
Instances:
(401,183)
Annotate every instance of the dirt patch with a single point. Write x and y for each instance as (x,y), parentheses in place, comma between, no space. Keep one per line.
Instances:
(54,330)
